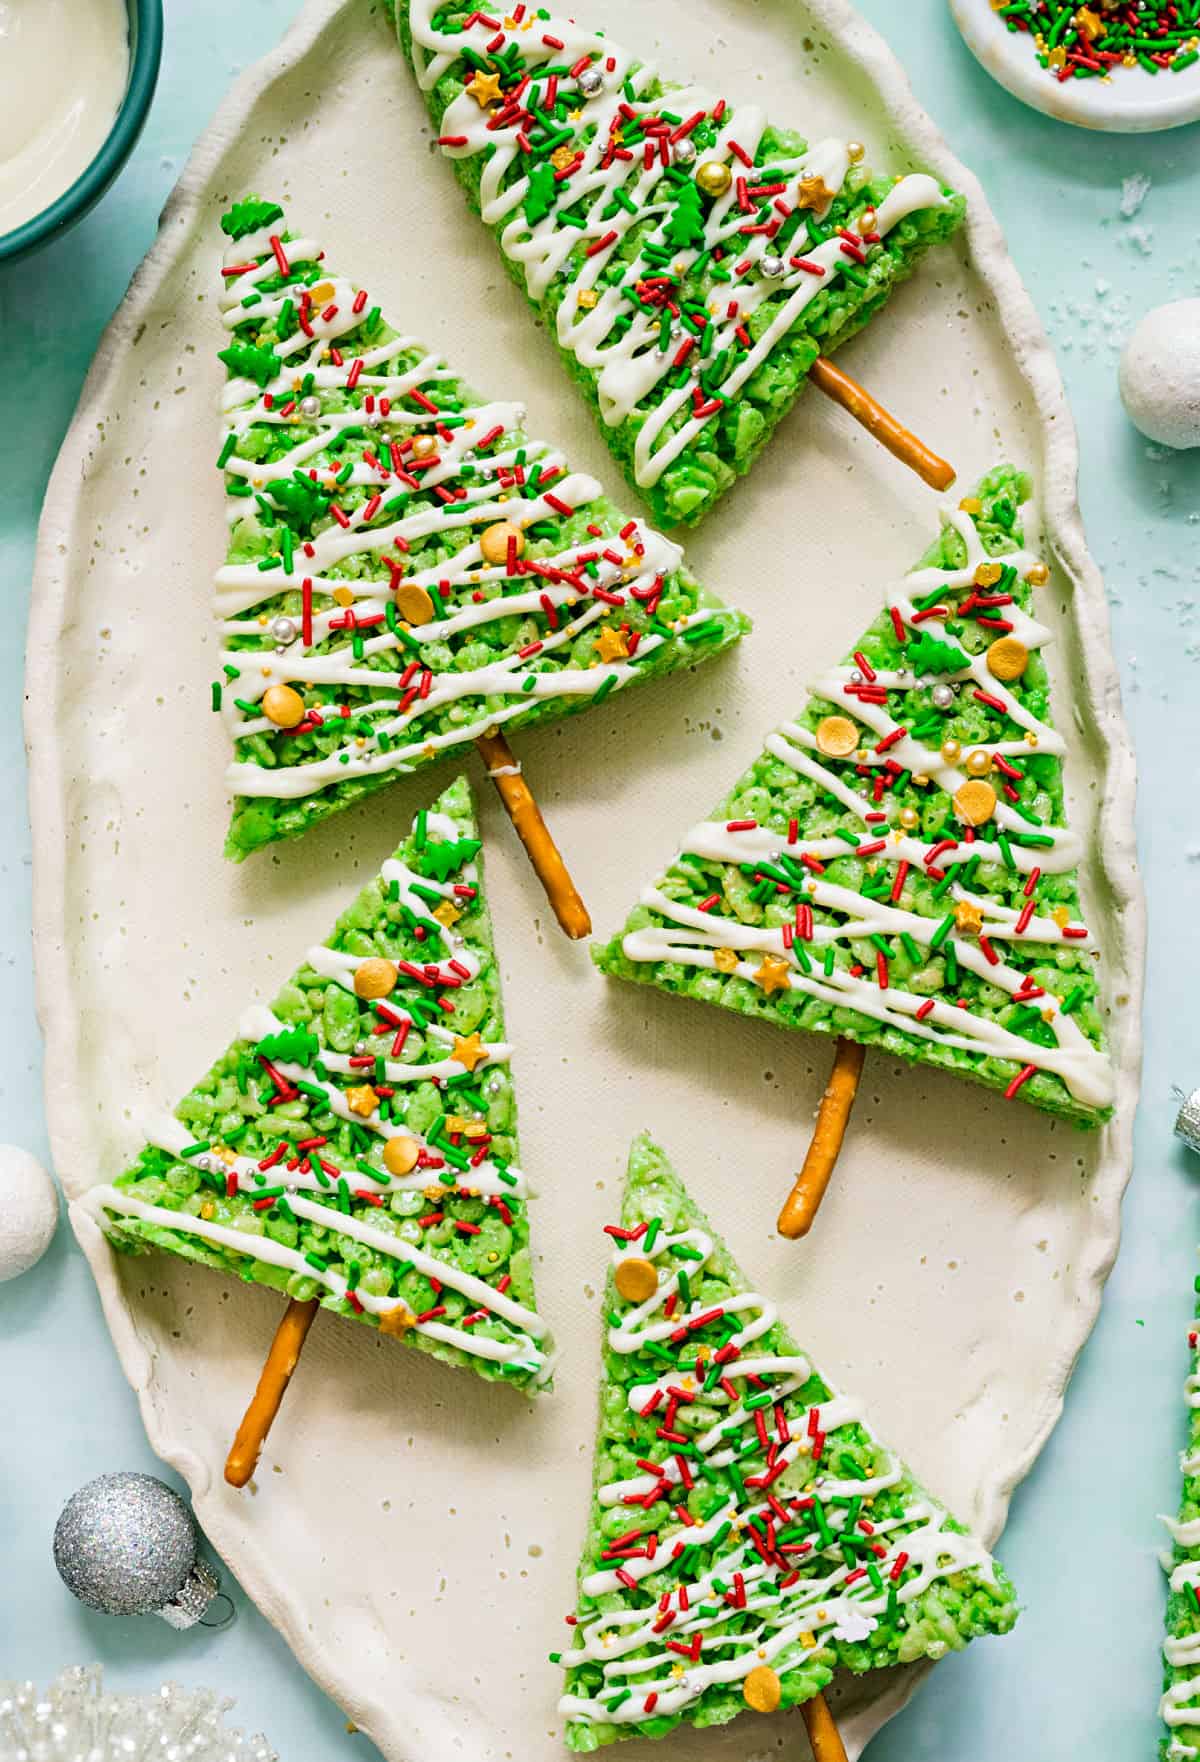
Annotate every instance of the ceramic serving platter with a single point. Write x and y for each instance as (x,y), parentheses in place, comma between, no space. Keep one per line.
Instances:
(414,1533)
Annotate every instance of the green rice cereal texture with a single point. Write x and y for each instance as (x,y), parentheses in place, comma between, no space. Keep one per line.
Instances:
(1180,1707)
(896,867)
(690,258)
(407,567)
(357,1141)
(745,1516)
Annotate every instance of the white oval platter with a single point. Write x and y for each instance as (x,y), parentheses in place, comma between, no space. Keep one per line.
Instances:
(1130,102)
(413,1534)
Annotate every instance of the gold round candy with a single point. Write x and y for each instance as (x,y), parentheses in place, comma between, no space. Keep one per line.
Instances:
(920,780)
(978,762)
(494,541)
(374,978)
(424,446)
(400,1155)
(714,177)
(866,220)
(1007,658)
(762,1690)
(636,1279)
(283,705)
(951,752)
(1037,575)
(855,152)
(987,575)
(975,803)
(837,736)
(909,819)
(413,603)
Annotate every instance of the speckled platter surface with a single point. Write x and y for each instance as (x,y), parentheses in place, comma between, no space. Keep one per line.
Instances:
(414,1535)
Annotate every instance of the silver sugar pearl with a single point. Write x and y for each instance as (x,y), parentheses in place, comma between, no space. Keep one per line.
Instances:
(310,407)
(590,82)
(943,697)
(856,677)
(126,1544)
(371,418)
(771,265)
(684,152)
(360,1046)
(284,631)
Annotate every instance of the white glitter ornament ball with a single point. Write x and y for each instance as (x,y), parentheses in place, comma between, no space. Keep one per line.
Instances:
(28,1211)
(1160,375)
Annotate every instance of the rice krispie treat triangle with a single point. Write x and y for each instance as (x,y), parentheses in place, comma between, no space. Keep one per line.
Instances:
(896,866)
(357,1141)
(691,259)
(749,1533)
(407,567)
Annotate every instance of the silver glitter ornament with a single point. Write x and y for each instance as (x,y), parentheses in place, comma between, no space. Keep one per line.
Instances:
(943,697)
(1187,1121)
(310,407)
(126,1544)
(684,152)
(590,82)
(770,265)
(284,631)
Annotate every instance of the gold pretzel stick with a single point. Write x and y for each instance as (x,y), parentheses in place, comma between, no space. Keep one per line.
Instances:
(801,1205)
(823,1736)
(534,834)
(272,1386)
(881,423)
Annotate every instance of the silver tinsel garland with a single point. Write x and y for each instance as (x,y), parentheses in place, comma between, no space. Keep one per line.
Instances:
(76,1720)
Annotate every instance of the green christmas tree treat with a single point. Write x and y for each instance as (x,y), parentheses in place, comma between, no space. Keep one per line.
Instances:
(356,1142)
(749,1533)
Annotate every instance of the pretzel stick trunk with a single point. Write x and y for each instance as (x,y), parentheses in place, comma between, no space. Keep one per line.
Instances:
(823,1736)
(891,434)
(534,834)
(282,1359)
(803,1202)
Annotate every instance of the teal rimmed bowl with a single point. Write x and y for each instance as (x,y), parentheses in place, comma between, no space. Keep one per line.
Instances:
(145,53)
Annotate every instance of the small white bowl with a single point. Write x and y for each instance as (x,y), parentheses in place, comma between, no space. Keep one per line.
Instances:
(1130,102)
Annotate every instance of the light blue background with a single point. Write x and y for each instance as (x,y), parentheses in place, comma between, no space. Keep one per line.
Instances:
(1080,1674)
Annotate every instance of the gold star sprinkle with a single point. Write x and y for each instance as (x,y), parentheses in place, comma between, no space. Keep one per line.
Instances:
(725,960)
(469,1051)
(988,574)
(208,1210)
(813,192)
(587,298)
(447,914)
(967,916)
(971,505)
(774,974)
(612,646)
(563,156)
(1061,916)
(362,1100)
(397,1321)
(1088,23)
(484,88)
